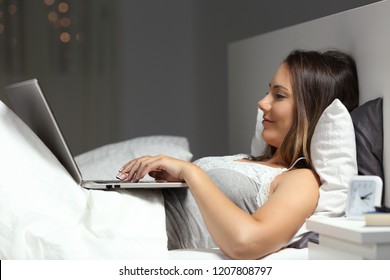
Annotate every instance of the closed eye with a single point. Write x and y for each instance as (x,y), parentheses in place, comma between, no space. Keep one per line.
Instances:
(279,91)
(280,95)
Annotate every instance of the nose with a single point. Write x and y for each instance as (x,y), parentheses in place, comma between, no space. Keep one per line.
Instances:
(264,104)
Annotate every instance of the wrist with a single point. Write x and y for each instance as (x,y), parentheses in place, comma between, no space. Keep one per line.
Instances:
(193,174)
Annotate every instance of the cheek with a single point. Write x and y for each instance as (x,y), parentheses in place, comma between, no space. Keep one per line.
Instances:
(274,135)
(285,126)
(289,118)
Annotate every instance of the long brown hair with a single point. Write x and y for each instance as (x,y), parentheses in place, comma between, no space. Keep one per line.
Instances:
(318,78)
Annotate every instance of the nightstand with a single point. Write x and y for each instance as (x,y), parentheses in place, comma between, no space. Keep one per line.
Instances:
(341,238)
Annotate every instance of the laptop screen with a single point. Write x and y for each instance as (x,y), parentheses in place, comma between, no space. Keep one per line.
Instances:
(29,103)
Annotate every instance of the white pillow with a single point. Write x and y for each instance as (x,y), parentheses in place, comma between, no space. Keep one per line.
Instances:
(258,144)
(333,152)
(104,162)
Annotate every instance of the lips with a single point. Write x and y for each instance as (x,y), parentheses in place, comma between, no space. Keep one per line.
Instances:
(267,121)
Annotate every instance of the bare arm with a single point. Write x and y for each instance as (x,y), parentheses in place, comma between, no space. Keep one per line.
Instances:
(245,236)
(237,233)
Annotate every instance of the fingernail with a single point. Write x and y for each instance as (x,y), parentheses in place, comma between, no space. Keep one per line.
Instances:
(120,176)
(135,179)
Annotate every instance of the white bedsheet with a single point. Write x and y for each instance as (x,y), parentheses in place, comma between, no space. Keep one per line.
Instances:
(44,214)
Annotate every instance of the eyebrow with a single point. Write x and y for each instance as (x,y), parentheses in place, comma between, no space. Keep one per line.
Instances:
(277,86)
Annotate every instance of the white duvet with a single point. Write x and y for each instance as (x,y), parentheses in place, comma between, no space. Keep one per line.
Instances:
(44,214)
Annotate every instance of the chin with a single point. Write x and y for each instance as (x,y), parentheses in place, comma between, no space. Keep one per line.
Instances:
(270,141)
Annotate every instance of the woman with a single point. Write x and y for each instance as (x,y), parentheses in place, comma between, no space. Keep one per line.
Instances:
(254,206)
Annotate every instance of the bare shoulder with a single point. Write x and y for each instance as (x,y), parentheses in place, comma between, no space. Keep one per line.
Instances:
(298,179)
(301,174)
(297,189)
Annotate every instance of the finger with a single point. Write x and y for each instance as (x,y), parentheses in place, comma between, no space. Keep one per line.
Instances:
(127,172)
(125,168)
(140,167)
(158,175)
(148,165)
(124,171)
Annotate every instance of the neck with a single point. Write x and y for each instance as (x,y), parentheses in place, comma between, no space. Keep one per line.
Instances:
(276,159)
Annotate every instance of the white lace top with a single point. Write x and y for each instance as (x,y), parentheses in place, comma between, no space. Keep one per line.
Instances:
(246,184)
(262,175)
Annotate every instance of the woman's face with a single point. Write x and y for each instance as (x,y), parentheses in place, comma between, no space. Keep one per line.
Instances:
(278,107)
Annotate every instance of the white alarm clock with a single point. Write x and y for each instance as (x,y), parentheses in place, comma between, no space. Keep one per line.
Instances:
(364,193)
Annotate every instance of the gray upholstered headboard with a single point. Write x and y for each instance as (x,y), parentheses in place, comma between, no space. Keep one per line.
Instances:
(363,32)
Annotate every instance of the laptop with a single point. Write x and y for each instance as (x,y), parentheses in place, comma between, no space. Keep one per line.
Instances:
(29,103)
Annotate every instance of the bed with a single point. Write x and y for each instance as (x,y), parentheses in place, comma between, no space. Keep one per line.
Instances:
(44,214)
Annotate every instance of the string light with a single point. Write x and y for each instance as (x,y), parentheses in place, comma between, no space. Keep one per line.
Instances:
(78,36)
(63,7)
(12,9)
(13,42)
(65,22)
(65,37)
(49,2)
(59,17)
(52,16)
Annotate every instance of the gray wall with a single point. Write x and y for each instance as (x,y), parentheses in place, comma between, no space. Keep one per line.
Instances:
(151,66)
(175,62)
